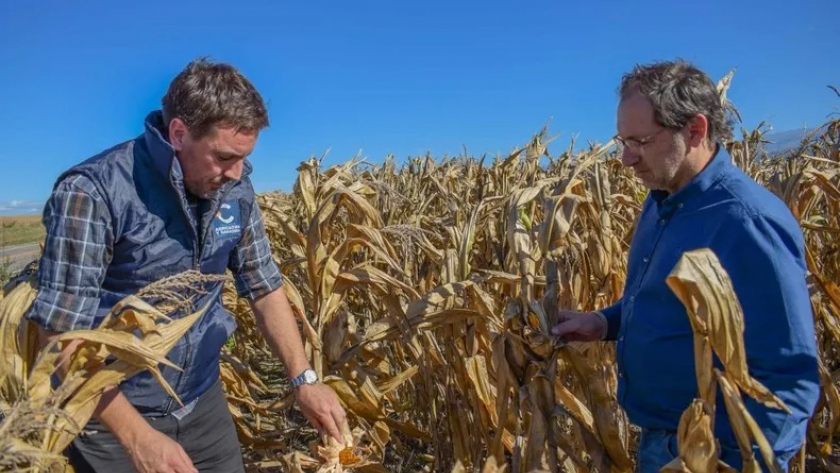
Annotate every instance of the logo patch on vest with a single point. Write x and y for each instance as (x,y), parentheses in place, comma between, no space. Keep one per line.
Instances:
(227,222)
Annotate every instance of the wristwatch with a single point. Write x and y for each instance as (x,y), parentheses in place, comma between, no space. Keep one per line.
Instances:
(307,377)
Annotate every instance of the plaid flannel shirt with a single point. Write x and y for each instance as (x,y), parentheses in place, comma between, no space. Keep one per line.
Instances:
(78,248)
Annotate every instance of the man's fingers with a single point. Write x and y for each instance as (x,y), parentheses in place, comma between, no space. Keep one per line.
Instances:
(332,429)
(566,315)
(186,465)
(323,410)
(340,420)
(566,327)
(338,414)
(317,424)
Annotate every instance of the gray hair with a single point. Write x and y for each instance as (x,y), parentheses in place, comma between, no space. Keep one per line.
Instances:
(678,91)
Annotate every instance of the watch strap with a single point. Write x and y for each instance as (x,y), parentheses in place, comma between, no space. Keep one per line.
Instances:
(300,379)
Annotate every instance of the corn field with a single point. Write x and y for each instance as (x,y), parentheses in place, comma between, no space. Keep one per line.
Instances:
(425,294)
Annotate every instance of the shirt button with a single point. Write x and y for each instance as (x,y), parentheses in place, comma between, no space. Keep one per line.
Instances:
(646,259)
(632,298)
(679,206)
(662,221)
(620,339)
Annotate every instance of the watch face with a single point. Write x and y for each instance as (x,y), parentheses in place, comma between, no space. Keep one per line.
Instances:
(310,377)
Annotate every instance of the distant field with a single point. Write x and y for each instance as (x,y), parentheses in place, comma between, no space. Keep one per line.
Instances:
(20,230)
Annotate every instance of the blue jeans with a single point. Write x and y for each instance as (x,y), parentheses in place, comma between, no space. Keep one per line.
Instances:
(656,449)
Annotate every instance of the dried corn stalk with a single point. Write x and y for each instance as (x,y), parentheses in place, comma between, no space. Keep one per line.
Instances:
(704,288)
(40,421)
(424,291)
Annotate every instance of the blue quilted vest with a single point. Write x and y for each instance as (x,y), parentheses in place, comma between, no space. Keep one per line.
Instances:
(157,235)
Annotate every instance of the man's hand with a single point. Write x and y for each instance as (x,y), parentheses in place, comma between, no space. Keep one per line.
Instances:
(318,402)
(153,452)
(579,326)
(320,406)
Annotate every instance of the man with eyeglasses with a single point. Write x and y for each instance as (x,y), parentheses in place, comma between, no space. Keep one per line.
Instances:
(671,125)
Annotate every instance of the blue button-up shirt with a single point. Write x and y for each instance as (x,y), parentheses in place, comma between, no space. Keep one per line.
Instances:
(761,246)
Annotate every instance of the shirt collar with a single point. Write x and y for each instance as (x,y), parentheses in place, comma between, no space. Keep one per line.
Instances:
(716,168)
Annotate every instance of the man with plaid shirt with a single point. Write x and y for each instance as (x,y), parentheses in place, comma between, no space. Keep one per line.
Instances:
(178,197)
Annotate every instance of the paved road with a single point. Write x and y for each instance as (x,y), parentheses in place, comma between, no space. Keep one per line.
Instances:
(19,256)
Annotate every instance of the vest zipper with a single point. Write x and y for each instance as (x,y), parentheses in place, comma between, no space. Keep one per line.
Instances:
(197,267)
(200,239)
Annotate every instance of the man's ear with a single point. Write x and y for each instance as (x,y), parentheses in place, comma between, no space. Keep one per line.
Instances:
(698,128)
(178,133)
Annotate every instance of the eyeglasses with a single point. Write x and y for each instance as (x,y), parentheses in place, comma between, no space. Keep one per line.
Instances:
(636,145)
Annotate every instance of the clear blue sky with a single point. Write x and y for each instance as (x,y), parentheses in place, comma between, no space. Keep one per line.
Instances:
(387,77)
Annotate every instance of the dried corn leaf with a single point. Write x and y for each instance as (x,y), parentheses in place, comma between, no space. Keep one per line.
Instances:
(704,288)
(13,366)
(697,446)
(747,430)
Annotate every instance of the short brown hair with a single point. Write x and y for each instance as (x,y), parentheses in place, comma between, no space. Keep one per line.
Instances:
(678,91)
(205,95)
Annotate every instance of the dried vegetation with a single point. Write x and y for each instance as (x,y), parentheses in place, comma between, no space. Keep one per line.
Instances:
(425,293)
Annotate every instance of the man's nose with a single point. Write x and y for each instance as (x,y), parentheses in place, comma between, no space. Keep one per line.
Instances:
(628,157)
(234,172)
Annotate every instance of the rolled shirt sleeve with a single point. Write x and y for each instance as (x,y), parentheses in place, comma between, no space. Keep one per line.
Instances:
(254,269)
(77,249)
